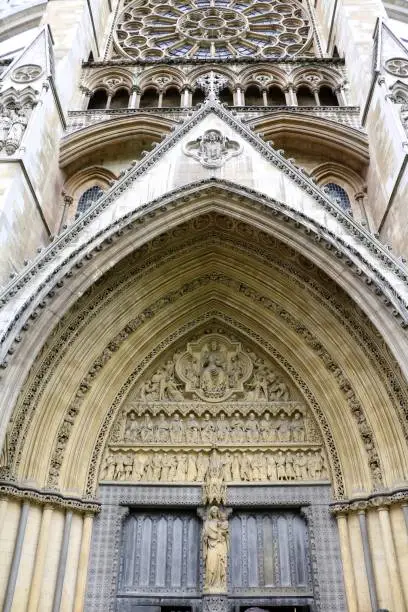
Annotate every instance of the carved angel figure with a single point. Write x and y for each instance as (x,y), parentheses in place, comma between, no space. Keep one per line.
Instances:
(215,549)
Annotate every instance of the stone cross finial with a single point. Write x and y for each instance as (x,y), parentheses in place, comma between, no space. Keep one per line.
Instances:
(211,83)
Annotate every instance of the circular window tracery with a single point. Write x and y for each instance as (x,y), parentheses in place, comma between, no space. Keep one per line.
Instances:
(206,29)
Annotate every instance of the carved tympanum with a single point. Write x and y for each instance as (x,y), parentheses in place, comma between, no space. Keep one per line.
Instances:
(214,369)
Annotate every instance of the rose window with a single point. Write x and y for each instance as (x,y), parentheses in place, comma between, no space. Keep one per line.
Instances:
(205,29)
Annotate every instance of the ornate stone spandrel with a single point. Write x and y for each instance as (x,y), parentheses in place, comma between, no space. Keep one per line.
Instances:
(212,149)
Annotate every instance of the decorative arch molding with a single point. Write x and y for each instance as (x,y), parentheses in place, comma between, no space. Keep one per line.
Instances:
(46,366)
(94,175)
(333,172)
(110,78)
(84,142)
(317,132)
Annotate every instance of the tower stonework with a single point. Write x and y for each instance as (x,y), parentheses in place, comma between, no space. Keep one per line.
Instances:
(204,306)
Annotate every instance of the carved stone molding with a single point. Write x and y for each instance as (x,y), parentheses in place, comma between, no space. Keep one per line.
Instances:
(45,497)
(370,502)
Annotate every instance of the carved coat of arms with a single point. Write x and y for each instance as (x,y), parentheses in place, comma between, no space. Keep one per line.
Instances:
(212,149)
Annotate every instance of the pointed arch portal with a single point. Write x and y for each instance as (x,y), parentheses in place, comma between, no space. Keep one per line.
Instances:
(195,335)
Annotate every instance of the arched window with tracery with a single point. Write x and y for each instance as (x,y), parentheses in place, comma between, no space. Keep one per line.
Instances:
(305,96)
(338,195)
(89,197)
(276,97)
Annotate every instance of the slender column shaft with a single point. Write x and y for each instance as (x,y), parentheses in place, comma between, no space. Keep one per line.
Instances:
(83,563)
(108,103)
(391,558)
(405,511)
(38,575)
(160,99)
(368,560)
(62,562)
(15,564)
(3,510)
(316,97)
(265,97)
(348,572)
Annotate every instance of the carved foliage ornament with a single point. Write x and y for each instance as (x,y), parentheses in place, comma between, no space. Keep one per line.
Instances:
(212,149)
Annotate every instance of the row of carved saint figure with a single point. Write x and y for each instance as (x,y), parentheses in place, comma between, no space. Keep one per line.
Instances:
(193,467)
(13,122)
(175,430)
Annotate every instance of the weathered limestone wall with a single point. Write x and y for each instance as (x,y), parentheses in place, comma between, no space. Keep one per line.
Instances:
(27,224)
(350,25)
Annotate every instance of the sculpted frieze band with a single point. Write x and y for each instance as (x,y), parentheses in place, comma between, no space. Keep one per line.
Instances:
(283,425)
(128,464)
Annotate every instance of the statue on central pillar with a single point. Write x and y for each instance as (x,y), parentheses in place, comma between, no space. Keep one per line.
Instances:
(215,550)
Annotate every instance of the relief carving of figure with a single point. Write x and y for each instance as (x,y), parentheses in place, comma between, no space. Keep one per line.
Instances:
(147,430)
(207,430)
(162,430)
(280,461)
(5,125)
(181,468)
(191,468)
(271,469)
(177,430)
(283,428)
(214,485)
(252,432)
(223,429)
(109,469)
(214,377)
(265,428)
(237,429)
(227,463)
(212,149)
(246,468)
(202,466)
(215,550)
(193,430)
(132,428)
(298,428)
(16,131)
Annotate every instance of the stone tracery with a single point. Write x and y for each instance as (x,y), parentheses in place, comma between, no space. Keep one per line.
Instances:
(204,29)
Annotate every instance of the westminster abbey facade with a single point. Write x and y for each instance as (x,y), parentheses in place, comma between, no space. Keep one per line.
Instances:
(204,306)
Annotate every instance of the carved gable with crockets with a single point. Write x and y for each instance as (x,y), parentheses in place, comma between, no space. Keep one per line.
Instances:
(214,404)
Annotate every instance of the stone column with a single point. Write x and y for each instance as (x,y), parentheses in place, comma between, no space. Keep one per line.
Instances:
(108,103)
(368,559)
(316,96)
(39,563)
(62,562)
(405,511)
(3,510)
(83,563)
(161,93)
(290,95)
(135,97)
(348,571)
(238,96)
(391,559)
(187,98)
(265,97)
(341,95)
(86,95)
(360,200)
(15,564)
